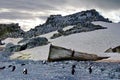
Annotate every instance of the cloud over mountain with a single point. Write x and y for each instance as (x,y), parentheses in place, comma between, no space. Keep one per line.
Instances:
(39,9)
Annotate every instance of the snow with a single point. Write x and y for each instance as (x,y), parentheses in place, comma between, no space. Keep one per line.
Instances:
(37,53)
(51,33)
(94,42)
(11,40)
(68,27)
(48,35)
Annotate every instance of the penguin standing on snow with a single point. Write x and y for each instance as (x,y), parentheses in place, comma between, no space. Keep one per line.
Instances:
(90,69)
(25,71)
(73,69)
(1,68)
(73,52)
(13,68)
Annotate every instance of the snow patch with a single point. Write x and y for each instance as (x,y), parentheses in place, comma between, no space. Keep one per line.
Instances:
(11,40)
(68,27)
(94,42)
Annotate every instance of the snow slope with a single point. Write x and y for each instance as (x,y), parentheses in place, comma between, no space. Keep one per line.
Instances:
(11,40)
(95,42)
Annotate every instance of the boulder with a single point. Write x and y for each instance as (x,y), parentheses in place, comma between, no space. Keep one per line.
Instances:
(34,42)
(12,48)
(31,43)
(57,53)
(9,45)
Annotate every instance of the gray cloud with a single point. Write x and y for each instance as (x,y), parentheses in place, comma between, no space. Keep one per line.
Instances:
(43,17)
(30,9)
(55,5)
(102,4)
(15,15)
(31,4)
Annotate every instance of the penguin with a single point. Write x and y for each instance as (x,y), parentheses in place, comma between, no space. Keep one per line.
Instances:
(90,69)
(9,66)
(23,64)
(1,42)
(13,68)
(73,69)
(1,68)
(73,52)
(25,71)
(44,62)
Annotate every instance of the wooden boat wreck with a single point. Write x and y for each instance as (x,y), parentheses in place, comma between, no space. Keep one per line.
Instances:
(113,50)
(57,53)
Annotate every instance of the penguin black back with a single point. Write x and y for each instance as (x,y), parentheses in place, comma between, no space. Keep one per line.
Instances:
(90,70)
(13,68)
(73,69)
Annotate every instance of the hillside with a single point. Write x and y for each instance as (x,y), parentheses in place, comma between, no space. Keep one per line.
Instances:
(57,22)
(95,42)
(86,35)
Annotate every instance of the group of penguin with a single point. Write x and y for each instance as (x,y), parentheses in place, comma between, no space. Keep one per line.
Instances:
(25,71)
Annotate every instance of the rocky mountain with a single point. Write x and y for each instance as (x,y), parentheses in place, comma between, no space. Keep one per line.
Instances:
(56,22)
(10,30)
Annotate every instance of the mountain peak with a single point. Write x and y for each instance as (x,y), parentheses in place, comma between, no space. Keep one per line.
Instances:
(84,16)
(53,17)
(56,22)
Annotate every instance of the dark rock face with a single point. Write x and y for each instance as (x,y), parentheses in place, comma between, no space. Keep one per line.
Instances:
(24,40)
(56,22)
(116,49)
(39,41)
(12,48)
(10,30)
(84,27)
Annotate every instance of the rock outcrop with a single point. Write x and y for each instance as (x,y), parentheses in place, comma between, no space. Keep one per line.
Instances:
(57,53)
(53,23)
(10,30)
(84,27)
(12,48)
(31,43)
(57,22)
(34,42)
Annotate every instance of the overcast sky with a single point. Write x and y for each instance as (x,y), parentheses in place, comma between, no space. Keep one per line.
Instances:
(30,13)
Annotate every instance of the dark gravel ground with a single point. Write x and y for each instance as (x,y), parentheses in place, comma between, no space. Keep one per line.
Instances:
(40,70)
